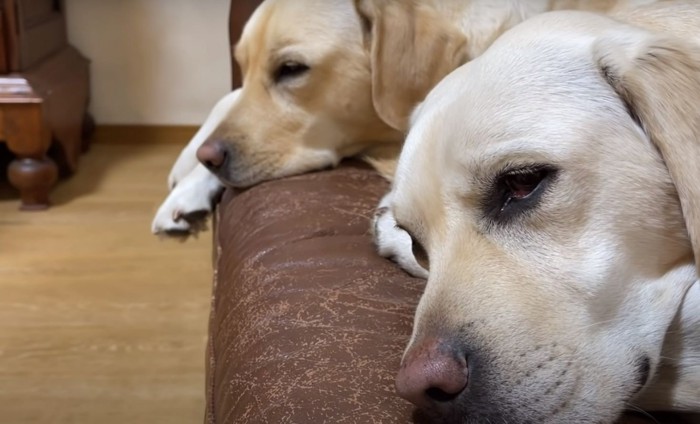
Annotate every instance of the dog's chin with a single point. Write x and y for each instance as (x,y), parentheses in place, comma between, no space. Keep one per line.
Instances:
(582,414)
(243,177)
(242,180)
(237,182)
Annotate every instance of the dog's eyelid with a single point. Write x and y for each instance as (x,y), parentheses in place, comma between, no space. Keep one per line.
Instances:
(287,54)
(288,70)
(525,168)
(516,189)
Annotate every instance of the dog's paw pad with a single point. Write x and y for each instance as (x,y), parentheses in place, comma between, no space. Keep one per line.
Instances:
(187,225)
(195,217)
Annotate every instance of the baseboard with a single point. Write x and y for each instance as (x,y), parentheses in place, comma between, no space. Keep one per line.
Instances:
(144,134)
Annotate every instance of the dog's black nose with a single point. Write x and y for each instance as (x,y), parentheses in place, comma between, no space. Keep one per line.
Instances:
(213,154)
(432,371)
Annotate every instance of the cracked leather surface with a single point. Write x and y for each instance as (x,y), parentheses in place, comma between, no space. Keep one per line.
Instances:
(308,323)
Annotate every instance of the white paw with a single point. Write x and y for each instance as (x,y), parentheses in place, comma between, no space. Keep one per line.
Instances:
(188,206)
(184,164)
(393,242)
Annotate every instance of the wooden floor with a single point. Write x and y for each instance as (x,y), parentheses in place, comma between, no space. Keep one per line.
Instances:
(101,322)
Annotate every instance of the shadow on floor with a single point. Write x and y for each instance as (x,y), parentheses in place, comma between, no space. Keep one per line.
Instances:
(91,171)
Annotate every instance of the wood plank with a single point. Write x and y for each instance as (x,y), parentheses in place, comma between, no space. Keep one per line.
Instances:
(100,322)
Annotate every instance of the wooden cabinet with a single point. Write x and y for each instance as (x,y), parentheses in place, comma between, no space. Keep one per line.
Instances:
(44,92)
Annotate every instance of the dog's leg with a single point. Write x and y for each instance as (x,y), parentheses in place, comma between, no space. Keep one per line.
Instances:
(187,160)
(185,211)
(393,242)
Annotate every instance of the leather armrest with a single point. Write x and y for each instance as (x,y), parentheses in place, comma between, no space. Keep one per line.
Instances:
(308,323)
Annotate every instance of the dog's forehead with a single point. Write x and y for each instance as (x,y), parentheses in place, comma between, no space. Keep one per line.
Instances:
(475,115)
(283,25)
(532,96)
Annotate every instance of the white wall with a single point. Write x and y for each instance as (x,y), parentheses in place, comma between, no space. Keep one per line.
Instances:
(157,62)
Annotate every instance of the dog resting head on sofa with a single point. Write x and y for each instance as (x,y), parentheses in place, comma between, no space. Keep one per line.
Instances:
(329,79)
(554,184)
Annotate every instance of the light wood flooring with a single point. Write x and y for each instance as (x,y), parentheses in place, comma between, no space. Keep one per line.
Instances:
(101,322)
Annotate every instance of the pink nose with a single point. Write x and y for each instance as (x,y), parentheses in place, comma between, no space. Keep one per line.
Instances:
(212,154)
(432,371)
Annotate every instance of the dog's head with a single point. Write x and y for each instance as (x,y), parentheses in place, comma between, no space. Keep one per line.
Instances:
(306,99)
(323,80)
(414,44)
(553,183)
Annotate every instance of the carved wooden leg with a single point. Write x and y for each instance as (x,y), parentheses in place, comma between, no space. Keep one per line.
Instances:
(28,137)
(34,179)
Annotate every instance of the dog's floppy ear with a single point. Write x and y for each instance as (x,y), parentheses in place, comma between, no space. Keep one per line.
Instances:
(412,47)
(659,79)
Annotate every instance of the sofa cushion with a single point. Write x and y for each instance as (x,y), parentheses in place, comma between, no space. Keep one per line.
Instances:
(308,323)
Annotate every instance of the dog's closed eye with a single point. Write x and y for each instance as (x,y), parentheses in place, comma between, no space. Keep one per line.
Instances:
(516,191)
(289,70)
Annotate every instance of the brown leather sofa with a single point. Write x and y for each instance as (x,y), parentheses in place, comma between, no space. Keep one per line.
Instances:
(308,323)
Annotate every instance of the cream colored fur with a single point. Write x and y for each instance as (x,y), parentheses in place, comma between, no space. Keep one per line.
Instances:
(599,271)
(363,80)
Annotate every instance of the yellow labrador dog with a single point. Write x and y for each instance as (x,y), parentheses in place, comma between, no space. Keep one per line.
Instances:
(328,79)
(554,183)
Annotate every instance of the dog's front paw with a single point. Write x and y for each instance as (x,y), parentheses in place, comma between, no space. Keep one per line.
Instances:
(186,210)
(177,223)
(395,243)
(183,166)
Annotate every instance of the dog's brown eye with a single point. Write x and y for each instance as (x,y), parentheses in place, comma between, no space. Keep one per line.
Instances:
(289,70)
(516,191)
(522,185)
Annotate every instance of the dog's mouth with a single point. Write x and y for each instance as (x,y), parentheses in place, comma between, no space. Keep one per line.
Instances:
(242,181)
(521,383)
(552,402)
(242,175)
(537,383)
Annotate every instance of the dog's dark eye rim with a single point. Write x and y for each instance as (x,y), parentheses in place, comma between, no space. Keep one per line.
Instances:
(290,69)
(522,183)
(518,189)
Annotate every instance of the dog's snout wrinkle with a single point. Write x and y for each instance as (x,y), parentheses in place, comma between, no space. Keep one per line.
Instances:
(432,371)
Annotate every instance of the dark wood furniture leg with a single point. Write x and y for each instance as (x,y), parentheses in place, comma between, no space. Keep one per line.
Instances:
(27,136)
(44,93)
(42,112)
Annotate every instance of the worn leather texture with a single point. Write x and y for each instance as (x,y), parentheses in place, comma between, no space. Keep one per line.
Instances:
(308,323)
